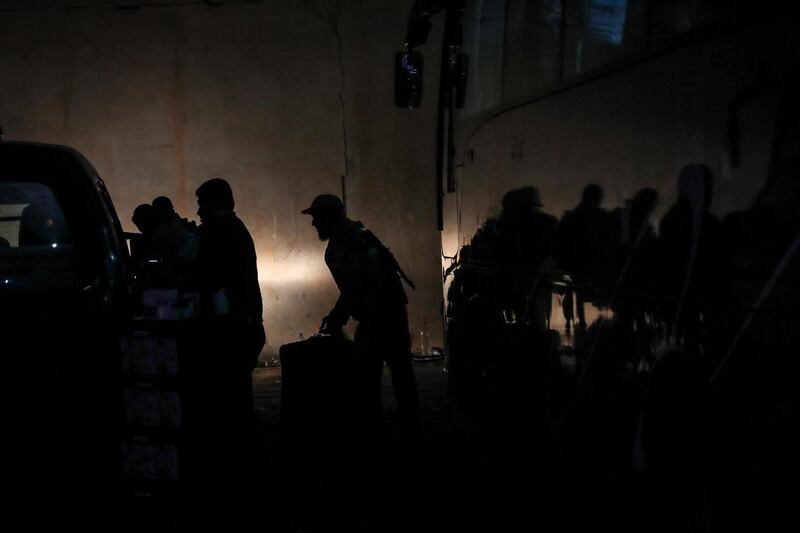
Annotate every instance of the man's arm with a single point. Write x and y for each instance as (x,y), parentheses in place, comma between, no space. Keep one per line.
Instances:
(337,318)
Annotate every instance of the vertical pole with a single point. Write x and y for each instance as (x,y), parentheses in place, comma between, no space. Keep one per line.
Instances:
(344,193)
(445,98)
(562,42)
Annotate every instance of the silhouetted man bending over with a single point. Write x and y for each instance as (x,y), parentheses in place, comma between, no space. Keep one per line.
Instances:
(371,292)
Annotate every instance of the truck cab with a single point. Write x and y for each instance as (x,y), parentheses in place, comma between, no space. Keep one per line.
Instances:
(64,299)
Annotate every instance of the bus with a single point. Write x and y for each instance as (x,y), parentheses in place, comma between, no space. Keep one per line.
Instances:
(618,193)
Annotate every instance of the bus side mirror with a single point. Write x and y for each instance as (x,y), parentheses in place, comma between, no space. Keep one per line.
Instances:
(408,79)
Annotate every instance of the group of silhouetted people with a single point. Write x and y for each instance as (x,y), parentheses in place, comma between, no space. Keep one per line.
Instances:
(623,429)
(207,275)
(611,257)
(217,261)
(639,424)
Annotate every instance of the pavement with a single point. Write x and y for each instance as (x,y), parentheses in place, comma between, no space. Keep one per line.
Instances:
(417,474)
(434,479)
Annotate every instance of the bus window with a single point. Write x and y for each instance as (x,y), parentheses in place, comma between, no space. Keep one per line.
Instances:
(532,47)
(597,32)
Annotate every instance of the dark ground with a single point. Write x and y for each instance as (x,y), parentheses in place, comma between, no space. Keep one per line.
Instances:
(422,479)
(502,473)
(437,479)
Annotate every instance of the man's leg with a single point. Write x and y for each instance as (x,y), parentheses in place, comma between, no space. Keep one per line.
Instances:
(397,354)
(368,368)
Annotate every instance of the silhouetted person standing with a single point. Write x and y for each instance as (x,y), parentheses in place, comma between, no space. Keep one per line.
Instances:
(371,292)
(583,236)
(176,243)
(145,220)
(166,213)
(226,267)
(143,255)
(692,249)
(582,247)
(523,238)
(227,278)
(634,250)
(673,424)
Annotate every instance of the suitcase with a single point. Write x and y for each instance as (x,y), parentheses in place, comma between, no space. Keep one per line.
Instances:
(316,386)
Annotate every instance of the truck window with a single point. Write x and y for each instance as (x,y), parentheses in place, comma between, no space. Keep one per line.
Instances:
(36,251)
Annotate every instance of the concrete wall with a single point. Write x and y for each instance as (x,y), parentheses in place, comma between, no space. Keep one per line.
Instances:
(161,98)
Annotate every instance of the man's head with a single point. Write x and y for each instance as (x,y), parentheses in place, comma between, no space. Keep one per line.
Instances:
(592,195)
(144,217)
(163,204)
(644,201)
(519,202)
(214,198)
(327,212)
(163,208)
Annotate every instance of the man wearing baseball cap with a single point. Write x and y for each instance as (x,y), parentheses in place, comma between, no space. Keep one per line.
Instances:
(371,292)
